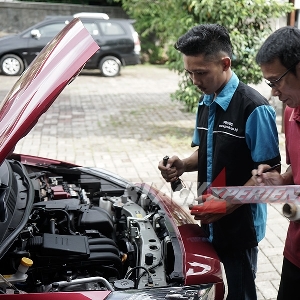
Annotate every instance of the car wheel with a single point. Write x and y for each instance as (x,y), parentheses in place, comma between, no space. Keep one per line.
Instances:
(110,66)
(11,65)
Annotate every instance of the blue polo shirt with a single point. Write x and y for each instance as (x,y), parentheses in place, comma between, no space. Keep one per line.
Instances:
(235,132)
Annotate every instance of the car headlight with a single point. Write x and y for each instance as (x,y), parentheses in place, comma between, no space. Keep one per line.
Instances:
(194,292)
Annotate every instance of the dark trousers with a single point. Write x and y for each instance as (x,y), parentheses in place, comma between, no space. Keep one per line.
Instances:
(290,281)
(240,267)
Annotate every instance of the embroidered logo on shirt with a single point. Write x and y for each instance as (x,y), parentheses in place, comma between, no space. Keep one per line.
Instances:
(228,125)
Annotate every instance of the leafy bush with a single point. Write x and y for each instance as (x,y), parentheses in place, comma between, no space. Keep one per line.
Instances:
(248,21)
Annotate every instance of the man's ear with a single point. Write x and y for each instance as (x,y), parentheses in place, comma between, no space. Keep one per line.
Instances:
(226,62)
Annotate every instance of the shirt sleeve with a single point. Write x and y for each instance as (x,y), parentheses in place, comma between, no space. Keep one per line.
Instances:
(262,134)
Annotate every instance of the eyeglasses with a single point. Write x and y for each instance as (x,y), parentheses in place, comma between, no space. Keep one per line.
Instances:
(273,83)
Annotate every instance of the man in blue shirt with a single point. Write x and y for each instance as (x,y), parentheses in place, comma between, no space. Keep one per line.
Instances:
(235,132)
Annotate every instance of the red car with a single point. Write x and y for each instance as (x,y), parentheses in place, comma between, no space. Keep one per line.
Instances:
(71,232)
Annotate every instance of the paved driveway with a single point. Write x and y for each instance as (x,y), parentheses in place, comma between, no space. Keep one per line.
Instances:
(126,125)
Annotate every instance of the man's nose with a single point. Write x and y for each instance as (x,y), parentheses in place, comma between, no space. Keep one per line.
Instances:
(195,78)
(275,92)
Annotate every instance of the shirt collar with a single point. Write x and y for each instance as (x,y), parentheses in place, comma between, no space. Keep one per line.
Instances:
(224,97)
(296,114)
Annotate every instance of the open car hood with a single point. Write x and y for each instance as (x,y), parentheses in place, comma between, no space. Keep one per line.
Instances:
(37,88)
(88,233)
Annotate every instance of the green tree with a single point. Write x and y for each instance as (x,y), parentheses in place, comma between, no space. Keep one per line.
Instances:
(248,21)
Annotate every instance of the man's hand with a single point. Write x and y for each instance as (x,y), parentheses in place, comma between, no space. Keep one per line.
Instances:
(269,178)
(173,169)
(211,208)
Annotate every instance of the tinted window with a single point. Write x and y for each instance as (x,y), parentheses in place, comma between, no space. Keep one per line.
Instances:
(109,28)
(50,30)
(91,28)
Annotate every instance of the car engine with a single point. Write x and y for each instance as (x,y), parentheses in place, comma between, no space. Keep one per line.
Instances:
(85,232)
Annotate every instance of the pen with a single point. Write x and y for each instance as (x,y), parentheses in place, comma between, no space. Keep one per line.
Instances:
(270,169)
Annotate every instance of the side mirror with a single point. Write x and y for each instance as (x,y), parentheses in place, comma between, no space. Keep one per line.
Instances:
(35,33)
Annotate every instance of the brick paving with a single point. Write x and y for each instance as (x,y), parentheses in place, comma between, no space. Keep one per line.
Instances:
(126,125)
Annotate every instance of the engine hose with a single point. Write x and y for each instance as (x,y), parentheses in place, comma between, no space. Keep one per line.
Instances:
(149,269)
(68,220)
(137,280)
(111,269)
(61,284)
(153,266)
(52,226)
(66,214)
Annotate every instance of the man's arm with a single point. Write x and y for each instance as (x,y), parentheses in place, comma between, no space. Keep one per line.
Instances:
(191,163)
(287,177)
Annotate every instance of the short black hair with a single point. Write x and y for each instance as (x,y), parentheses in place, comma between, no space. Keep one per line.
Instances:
(207,39)
(282,44)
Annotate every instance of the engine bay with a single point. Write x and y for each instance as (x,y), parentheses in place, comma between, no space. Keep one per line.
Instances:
(82,231)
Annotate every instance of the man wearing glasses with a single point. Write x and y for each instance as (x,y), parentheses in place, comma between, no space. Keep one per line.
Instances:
(276,82)
(279,58)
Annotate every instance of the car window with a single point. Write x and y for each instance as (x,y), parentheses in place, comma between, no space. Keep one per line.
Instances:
(110,28)
(50,30)
(91,28)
